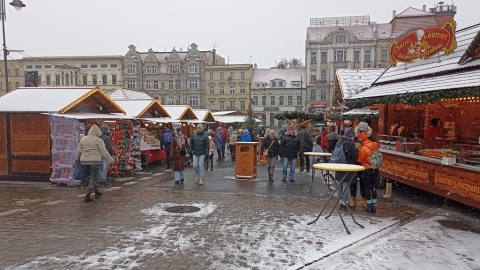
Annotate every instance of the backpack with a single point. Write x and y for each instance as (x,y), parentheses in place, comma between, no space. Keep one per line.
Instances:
(376,159)
(167,137)
(338,155)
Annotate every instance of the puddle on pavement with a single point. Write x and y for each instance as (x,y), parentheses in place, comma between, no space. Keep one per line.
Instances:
(459,225)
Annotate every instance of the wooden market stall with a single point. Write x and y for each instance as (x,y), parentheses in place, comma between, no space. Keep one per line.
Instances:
(36,145)
(409,96)
(184,116)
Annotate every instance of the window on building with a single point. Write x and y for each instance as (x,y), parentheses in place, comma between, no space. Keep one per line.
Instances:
(48,66)
(367,56)
(324,57)
(274,84)
(242,89)
(232,90)
(313,57)
(67,79)
(17,85)
(340,39)
(48,80)
(242,75)
(131,84)
(299,100)
(147,84)
(171,101)
(272,100)
(29,67)
(152,69)
(93,66)
(103,65)
(38,66)
(232,75)
(94,78)
(131,69)
(211,76)
(212,104)
(170,85)
(232,104)
(178,84)
(281,84)
(323,94)
(222,77)
(193,68)
(104,79)
(323,75)
(356,56)
(281,100)
(290,100)
(193,101)
(172,69)
(84,79)
(114,79)
(255,100)
(17,72)
(264,100)
(212,90)
(83,66)
(222,90)
(384,54)
(340,56)
(193,84)
(113,65)
(242,104)
(222,105)
(313,75)
(155,85)
(313,94)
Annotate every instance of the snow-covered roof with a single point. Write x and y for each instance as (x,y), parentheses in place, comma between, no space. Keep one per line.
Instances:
(50,100)
(92,116)
(137,108)
(353,81)
(289,75)
(365,110)
(121,94)
(435,64)
(223,113)
(203,114)
(180,112)
(414,12)
(233,119)
(163,56)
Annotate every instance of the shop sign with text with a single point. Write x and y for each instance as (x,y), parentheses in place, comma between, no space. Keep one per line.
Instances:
(457,184)
(423,43)
(408,171)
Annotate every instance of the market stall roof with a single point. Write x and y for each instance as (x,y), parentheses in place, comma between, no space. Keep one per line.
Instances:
(162,120)
(204,115)
(233,119)
(227,113)
(122,94)
(352,81)
(362,111)
(143,108)
(91,116)
(180,112)
(58,100)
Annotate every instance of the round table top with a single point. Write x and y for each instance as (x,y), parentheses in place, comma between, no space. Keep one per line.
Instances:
(320,154)
(338,167)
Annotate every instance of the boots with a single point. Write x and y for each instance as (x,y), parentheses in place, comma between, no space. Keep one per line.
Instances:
(373,208)
(364,202)
(97,194)
(270,177)
(200,182)
(353,202)
(87,199)
(197,176)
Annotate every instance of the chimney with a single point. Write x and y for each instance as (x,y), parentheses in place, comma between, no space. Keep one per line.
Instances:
(394,14)
(425,8)
(255,66)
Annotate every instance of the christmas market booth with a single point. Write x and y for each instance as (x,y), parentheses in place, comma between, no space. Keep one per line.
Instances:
(181,116)
(40,129)
(429,112)
(205,117)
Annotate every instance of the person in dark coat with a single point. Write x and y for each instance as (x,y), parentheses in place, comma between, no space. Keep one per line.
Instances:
(219,144)
(271,143)
(252,136)
(108,145)
(179,154)
(290,146)
(306,145)
(200,148)
(351,154)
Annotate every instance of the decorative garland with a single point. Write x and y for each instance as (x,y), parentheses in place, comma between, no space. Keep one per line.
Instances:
(414,98)
(366,117)
(298,115)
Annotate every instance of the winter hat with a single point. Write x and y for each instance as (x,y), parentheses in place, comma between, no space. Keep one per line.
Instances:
(362,126)
(290,127)
(200,126)
(240,130)
(368,129)
(245,131)
(219,129)
(105,129)
(179,129)
(209,138)
(362,136)
(271,132)
(349,132)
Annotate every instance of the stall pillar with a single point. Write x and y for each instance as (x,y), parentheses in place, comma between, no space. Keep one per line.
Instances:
(261,158)
(246,160)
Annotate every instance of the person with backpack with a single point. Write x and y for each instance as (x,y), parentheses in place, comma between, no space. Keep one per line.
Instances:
(353,186)
(166,143)
(370,158)
(345,152)
(306,145)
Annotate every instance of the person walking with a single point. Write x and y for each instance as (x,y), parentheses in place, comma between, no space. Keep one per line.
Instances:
(166,145)
(246,136)
(231,144)
(179,155)
(350,153)
(290,146)
(270,143)
(108,145)
(219,144)
(209,157)
(332,138)
(91,149)
(200,148)
(306,145)
(224,138)
(324,141)
(370,174)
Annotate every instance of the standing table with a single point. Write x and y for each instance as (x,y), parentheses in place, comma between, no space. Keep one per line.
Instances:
(326,178)
(347,178)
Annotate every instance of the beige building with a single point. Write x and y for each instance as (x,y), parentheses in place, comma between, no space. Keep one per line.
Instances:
(228,87)
(357,43)
(85,71)
(16,76)
(174,78)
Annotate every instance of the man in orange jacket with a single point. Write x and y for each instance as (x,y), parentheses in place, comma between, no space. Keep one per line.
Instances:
(370,175)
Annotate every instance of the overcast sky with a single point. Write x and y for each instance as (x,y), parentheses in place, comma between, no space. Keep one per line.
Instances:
(246,31)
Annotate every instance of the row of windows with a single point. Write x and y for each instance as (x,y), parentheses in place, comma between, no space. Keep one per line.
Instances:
(172,85)
(323,75)
(281,99)
(231,105)
(82,66)
(192,101)
(222,75)
(341,56)
(222,90)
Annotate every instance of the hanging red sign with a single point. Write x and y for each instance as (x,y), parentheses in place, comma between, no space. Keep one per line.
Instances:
(424,43)
(452,104)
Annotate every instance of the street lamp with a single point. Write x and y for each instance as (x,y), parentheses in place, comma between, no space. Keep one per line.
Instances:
(18,5)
